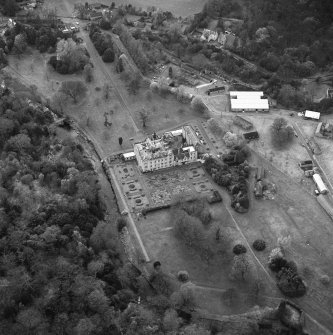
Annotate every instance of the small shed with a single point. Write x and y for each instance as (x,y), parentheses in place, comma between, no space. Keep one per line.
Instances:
(94,16)
(251,135)
(312,115)
(216,89)
(128,156)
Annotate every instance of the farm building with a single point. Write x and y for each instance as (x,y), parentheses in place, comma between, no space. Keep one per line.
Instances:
(312,115)
(216,90)
(251,135)
(306,165)
(248,101)
(319,183)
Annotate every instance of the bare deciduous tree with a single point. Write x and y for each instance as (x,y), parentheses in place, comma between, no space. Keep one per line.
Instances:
(73,89)
(240,267)
(59,101)
(230,295)
(106,92)
(144,116)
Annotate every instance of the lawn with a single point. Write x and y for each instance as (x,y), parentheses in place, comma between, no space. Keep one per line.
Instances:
(285,159)
(161,243)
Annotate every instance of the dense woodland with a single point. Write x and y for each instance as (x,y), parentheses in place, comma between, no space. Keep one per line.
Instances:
(291,40)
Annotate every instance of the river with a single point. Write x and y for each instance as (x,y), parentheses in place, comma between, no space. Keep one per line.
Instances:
(177,7)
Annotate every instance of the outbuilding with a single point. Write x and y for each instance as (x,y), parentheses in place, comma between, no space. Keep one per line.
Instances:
(128,156)
(312,115)
(251,135)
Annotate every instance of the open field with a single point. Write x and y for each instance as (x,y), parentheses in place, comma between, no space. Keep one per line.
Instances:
(285,159)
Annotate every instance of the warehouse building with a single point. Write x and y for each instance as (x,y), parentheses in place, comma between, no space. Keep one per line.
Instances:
(312,115)
(248,101)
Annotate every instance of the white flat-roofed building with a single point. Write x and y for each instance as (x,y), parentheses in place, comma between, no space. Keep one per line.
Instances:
(177,132)
(312,115)
(319,183)
(129,156)
(173,148)
(248,101)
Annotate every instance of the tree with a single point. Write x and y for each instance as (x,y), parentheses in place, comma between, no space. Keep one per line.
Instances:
(188,228)
(154,87)
(105,24)
(120,140)
(102,238)
(230,295)
(98,301)
(88,73)
(3,59)
(258,287)
(59,101)
(281,133)
(230,139)
(73,89)
(95,267)
(106,91)
(71,56)
(84,327)
(174,32)
(30,319)
(240,267)
(182,95)
(194,329)
(20,43)
(149,96)
(134,85)
(51,234)
(120,65)
(171,322)
(144,116)
(108,55)
(170,72)
(10,8)
(19,143)
(198,105)
(215,127)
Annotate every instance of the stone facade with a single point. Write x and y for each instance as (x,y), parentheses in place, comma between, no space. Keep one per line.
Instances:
(172,149)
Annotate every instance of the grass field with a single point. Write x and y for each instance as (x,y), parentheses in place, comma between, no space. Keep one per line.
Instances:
(285,159)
